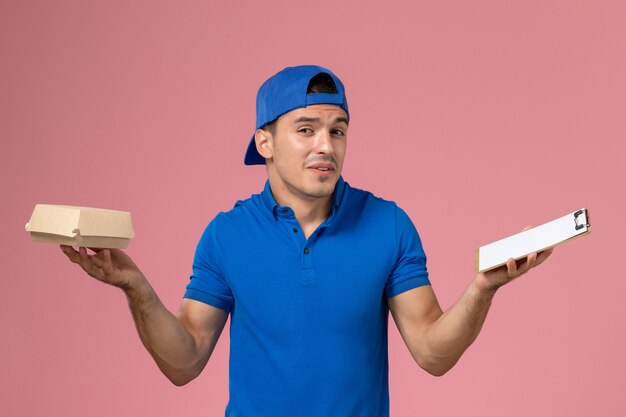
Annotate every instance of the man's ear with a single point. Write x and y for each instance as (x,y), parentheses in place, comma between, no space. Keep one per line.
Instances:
(264,143)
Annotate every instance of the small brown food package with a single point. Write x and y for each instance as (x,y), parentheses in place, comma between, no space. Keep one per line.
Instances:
(80,226)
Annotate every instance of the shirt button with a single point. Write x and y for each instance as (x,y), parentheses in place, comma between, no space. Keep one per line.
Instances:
(295,230)
(285,211)
(306,251)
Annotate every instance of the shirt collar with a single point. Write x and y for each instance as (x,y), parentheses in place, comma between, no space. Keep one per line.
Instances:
(270,203)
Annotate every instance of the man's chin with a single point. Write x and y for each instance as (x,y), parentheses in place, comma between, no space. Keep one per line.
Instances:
(324,189)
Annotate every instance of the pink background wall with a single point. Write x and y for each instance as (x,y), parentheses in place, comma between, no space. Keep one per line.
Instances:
(477,117)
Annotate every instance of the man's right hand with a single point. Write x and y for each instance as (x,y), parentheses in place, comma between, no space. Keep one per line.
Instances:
(111,266)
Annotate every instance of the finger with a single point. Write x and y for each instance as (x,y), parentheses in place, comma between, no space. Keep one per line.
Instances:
(84,258)
(521,266)
(547,252)
(71,253)
(87,263)
(96,250)
(511,267)
(543,255)
(107,266)
(96,259)
(532,260)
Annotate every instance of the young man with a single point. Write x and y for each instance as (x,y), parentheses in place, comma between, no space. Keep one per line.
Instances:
(309,270)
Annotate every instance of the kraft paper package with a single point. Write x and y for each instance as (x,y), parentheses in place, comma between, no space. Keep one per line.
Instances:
(80,226)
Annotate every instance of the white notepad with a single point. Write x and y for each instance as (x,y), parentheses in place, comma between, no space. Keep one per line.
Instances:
(532,240)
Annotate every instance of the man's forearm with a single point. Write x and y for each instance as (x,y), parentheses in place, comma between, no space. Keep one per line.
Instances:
(182,345)
(168,341)
(454,331)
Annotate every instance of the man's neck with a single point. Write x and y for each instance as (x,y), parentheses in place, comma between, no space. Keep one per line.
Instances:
(310,212)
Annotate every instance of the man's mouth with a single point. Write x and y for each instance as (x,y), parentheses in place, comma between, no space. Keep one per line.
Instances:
(322,168)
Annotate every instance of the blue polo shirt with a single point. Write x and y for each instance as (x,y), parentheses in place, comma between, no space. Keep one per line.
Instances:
(308,329)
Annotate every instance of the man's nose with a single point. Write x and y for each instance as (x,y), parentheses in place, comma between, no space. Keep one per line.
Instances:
(324,143)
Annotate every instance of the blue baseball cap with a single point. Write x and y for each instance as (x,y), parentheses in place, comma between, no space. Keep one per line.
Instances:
(287,91)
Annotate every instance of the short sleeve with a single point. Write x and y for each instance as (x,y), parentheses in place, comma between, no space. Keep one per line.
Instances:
(207,283)
(409,270)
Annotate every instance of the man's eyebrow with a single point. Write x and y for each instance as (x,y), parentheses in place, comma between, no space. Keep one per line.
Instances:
(303,119)
(306,119)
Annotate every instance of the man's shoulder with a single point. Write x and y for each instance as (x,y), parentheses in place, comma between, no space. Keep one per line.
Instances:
(367,199)
(243,211)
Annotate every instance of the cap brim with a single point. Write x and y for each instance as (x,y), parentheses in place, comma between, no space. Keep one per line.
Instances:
(252,155)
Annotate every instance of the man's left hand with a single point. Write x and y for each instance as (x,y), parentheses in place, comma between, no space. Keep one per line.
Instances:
(490,281)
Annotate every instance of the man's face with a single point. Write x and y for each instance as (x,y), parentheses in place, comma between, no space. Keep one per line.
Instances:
(307,151)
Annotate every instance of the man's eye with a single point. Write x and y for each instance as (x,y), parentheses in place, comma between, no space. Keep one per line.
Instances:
(338,132)
(305,130)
